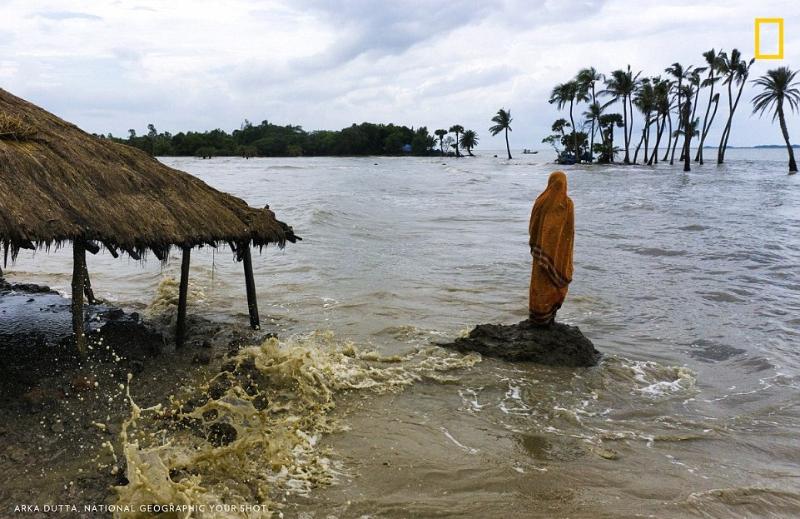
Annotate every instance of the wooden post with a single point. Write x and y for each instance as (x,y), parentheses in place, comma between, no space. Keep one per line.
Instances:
(78,278)
(87,286)
(180,331)
(252,303)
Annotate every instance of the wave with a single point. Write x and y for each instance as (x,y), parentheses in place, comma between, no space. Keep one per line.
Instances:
(253,432)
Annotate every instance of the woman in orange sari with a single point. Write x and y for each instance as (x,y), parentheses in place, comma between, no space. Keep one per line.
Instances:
(552,233)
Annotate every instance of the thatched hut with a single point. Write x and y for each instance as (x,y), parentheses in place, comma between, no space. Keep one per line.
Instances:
(59,184)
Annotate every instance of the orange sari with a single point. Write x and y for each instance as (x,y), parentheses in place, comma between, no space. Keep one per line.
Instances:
(552,233)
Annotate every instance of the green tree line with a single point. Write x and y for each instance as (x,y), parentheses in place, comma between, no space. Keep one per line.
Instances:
(273,140)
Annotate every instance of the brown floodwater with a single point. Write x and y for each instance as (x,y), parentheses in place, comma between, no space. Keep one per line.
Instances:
(687,282)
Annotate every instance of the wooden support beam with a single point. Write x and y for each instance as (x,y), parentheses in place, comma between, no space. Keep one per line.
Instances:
(87,286)
(92,247)
(252,303)
(180,330)
(78,277)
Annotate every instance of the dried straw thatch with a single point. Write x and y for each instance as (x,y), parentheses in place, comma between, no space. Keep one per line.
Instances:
(58,183)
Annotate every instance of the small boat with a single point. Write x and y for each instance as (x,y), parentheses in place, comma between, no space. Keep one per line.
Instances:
(526,151)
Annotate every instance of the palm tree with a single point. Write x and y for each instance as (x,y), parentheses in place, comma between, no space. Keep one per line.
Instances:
(661,90)
(621,85)
(696,83)
(586,79)
(689,126)
(735,70)
(441,133)
(469,140)
(645,100)
(457,129)
(779,87)
(679,73)
(607,123)
(592,115)
(713,60)
(569,92)
(502,123)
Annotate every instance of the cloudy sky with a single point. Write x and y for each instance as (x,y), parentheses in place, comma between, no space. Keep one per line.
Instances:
(197,64)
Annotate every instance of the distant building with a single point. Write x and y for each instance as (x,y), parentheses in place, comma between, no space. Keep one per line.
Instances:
(406,148)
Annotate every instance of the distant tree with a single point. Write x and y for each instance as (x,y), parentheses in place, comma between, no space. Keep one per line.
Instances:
(448,143)
(441,133)
(621,86)
(734,70)
(131,134)
(679,73)
(607,123)
(587,78)
(457,129)
(502,123)
(779,89)
(469,140)
(569,93)
(422,142)
(713,61)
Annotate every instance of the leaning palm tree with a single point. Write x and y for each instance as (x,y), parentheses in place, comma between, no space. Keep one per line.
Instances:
(661,90)
(441,133)
(735,70)
(689,125)
(621,86)
(468,141)
(679,72)
(457,129)
(779,88)
(645,100)
(502,123)
(713,60)
(587,78)
(569,92)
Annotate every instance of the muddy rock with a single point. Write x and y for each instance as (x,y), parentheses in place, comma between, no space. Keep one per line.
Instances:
(555,345)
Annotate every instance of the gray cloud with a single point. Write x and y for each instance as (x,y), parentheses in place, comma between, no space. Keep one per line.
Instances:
(323,64)
(67,15)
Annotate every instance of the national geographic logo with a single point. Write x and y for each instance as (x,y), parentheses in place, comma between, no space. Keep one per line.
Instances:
(769,38)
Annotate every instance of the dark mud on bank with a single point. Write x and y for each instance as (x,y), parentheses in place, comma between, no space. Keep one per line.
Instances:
(60,416)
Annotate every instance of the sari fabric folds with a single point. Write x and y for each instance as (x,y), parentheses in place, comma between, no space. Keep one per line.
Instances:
(552,233)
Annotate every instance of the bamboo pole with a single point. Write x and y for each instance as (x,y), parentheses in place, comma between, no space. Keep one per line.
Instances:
(180,331)
(78,278)
(252,303)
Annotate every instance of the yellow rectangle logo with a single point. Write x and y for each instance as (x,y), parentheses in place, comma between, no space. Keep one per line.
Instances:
(778,22)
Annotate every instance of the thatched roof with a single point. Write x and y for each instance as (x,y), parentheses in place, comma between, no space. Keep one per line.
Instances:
(58,183)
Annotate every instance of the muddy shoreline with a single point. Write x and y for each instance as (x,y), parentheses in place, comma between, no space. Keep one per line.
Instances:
(60,416)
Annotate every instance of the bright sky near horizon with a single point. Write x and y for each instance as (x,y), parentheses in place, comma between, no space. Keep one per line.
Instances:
(200,64)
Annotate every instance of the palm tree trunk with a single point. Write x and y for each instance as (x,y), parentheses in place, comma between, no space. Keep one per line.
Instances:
(508,148)
(782,119)
(687,131)
(669,137)
(703,136)
(625,129)
(706,125)
(680,124)
(730,120)
(638,147)
(574,133)
(722,140)
(659,133)
(458,154)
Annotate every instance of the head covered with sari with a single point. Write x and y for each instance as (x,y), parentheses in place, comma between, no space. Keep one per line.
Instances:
(552,233)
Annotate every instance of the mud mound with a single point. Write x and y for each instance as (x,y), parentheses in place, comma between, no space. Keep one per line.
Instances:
(555,345)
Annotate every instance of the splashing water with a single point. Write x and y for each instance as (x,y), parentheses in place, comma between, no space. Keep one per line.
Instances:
(260,419)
